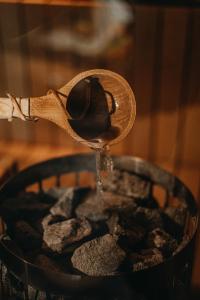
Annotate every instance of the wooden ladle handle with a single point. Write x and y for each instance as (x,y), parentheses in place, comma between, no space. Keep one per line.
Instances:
(19,108)
(108,89)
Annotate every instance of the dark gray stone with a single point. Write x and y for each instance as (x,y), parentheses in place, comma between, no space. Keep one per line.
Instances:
(113,224)
(148,218)
(128,237)
(177,214)
(92,208)
(56,192)
(149,202)
(50,220)
(98,257)
(174,219)
(160,239)
(98,209)
(146,259)
(68,198)
(59,235)
(113,201)
(183,243)
(127,184)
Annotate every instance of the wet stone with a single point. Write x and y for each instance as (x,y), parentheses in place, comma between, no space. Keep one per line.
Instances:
(160,239)
(27,237)
(114,201)
(146,259)
(67,201)
(124,183)
(59,235)
(45,262)
(98,257)
(91,208)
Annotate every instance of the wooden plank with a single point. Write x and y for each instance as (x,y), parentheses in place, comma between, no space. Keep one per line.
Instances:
(191,147)
(27,153)
(145,30)
(14,65)
(191,141)
(184,91)
(5,126)
(84,3)
(170,83)
(156,88)
(41,70)
(25,62)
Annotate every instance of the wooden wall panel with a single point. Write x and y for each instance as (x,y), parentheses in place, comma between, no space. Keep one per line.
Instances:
(15,70)
(5,126)
(156,84)
(145,29)
(174,32)
(163,66)
(191,149)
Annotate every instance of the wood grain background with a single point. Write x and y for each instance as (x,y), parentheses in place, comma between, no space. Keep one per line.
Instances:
(157,51)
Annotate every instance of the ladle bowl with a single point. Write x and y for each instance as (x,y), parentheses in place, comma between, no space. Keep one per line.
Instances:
(96,107)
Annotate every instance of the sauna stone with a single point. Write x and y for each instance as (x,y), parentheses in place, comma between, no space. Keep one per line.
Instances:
(99,209)
(45,262)
(113,224)
(92,208)
(185,240)
(128,237)
(148,218)
(146,259)
(124,183)
(174,220)
(114,201)
(131,217)
(50,220)
(27,237)
(149,202)
(67,201)
(59,235)
(160,239)
(56,192)
(98,257)
(177,214)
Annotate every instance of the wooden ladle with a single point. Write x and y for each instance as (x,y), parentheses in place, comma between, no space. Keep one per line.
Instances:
(96,107)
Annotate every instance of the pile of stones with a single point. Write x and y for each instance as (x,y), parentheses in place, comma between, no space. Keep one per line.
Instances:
(70,230)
